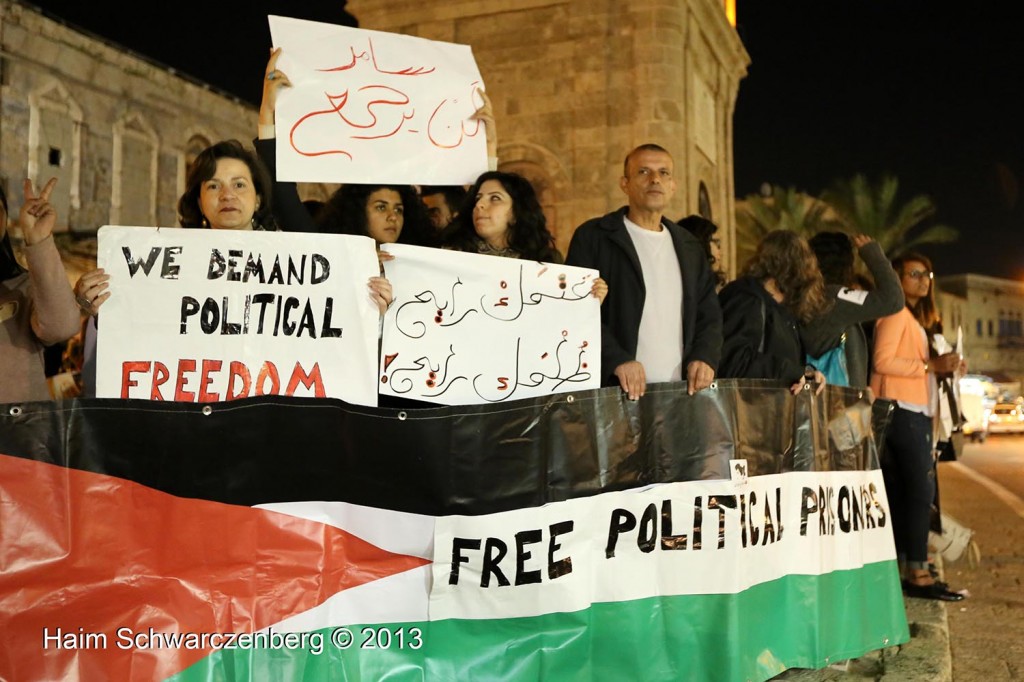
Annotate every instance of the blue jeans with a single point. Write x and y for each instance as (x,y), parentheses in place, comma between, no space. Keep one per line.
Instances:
(909,473)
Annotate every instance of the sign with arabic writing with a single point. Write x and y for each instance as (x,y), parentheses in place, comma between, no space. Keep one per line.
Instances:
(468,329)
(373,107)
(216,315)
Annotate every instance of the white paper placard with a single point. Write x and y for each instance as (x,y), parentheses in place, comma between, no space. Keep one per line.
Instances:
(212,315)
(470,329)
(374,107)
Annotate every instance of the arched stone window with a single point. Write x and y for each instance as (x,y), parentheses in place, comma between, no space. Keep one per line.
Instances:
(196,144)
(55,144)
(133,183)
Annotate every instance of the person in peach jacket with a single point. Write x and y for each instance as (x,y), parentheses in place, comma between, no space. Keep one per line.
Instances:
(904,372)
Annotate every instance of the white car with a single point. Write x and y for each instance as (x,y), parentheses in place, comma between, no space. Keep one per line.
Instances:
(1006,418)
(977,398)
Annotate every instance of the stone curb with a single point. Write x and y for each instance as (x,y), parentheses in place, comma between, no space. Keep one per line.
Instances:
(927,655)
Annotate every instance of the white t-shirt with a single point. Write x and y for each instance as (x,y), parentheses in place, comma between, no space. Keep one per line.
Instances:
(660,343)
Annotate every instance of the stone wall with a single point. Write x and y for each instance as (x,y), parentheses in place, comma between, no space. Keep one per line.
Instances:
(576,85)
(112,126)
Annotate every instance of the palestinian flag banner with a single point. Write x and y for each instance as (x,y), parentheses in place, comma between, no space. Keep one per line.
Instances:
(572,537)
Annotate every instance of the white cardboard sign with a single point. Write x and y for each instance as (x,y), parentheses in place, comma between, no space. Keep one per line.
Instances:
(471,329)
(213,315)
(373,107)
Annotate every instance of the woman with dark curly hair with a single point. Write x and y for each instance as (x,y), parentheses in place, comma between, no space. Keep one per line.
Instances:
(388,213)
(502,217)
(226,188)
(781,287)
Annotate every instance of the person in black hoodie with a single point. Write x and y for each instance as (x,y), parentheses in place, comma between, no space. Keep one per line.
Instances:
(852,306)
(781,287)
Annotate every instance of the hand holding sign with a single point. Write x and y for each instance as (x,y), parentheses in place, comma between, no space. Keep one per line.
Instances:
(273,81)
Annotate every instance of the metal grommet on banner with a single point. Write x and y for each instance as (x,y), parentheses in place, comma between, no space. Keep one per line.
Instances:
(570,398)
(16,410)
(207,410)
(885,641)
(713,385)
(402,416)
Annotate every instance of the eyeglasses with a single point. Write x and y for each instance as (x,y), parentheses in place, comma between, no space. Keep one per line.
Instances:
(919,274)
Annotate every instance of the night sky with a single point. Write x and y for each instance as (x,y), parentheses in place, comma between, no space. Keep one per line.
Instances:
(927,92)
(931,94)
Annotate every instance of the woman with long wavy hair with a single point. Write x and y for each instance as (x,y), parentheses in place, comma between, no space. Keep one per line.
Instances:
(781,287)
(501,216)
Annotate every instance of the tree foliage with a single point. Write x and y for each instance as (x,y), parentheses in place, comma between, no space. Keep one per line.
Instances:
(853,205)
(874,210)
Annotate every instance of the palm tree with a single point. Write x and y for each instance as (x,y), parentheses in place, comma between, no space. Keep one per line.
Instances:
(785,208)
(872,210)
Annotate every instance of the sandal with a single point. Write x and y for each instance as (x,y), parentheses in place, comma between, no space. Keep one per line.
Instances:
(939,591)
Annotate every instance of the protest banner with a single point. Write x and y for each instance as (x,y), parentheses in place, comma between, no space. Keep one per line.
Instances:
(557,548)
(212,315)
(466,328)
(368,107)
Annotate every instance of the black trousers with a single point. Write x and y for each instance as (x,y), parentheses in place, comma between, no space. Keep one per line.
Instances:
(909,474)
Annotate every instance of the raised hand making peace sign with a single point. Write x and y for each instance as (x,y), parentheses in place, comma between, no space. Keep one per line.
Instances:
(37,216)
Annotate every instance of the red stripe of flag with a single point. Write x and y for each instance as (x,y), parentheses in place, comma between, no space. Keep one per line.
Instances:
(87,553)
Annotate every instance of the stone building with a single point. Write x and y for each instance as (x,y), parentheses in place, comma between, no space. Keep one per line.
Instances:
(991,312)
(576,85)
(115,128)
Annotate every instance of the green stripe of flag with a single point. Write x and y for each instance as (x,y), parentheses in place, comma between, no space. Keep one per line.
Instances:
(796,621)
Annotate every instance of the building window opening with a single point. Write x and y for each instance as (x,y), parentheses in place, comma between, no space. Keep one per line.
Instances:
(55,157)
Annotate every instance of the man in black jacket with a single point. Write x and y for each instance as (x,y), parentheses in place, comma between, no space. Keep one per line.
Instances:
(661,313)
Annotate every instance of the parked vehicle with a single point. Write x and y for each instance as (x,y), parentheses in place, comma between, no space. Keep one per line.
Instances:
(1006,418)
(976,402)
(976,411)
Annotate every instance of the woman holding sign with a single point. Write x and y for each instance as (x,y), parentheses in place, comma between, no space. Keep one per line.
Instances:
(388,213)
(37,307)
(227,188)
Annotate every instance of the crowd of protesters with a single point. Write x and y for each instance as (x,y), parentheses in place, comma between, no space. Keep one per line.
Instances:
(667,310)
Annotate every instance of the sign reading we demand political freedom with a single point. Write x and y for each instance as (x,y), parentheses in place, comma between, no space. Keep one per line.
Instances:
(207,315)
